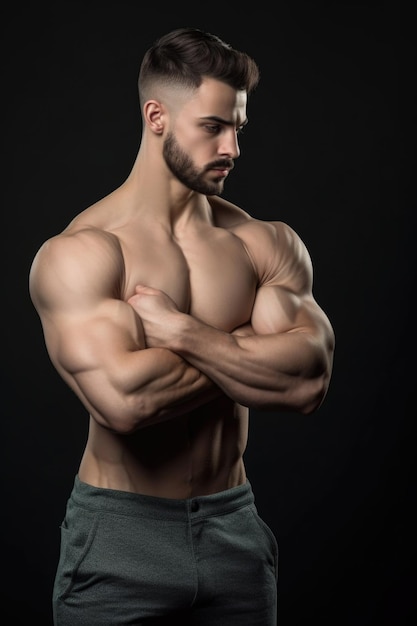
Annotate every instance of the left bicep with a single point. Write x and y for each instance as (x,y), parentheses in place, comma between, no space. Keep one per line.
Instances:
(284,301)
(278,310)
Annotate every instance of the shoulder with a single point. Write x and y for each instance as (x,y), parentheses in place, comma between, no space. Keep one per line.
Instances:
(80,246)
(276,250)
(278,253)
(80,260)
(231,217)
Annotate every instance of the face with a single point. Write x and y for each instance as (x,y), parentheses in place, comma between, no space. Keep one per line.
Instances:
(201,149)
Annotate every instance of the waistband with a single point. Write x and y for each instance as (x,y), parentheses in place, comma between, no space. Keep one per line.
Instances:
(126,503)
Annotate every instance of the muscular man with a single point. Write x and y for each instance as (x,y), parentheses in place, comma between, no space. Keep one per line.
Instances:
(170,312)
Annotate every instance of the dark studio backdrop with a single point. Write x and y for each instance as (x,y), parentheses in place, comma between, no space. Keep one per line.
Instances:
(327,151)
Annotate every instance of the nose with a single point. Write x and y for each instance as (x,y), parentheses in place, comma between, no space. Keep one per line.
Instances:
(229,146)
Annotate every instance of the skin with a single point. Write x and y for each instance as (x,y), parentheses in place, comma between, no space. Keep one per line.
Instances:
(169,310)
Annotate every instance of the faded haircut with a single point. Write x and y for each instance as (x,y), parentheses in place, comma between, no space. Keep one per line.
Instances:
(185,56)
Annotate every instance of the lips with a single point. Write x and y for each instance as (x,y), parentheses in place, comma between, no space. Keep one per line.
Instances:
(222,172)
(222,168)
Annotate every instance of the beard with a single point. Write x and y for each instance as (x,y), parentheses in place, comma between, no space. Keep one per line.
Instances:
(183,168)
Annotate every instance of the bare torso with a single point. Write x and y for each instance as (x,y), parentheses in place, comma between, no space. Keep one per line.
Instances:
(205,268)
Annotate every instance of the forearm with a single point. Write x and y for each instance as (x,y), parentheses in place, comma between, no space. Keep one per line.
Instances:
(167,387)
(142,388)
(274,371)
(281,360)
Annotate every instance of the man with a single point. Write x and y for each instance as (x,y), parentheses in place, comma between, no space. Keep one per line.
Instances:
(170,311)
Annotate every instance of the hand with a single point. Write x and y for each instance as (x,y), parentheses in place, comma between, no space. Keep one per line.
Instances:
(157,312)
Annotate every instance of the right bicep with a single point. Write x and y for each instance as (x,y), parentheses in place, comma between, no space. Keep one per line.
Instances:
(75,283)
(100,339)
(98,356)
(90,333)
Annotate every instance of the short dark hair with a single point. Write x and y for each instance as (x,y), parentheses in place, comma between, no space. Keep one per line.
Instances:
(187,55)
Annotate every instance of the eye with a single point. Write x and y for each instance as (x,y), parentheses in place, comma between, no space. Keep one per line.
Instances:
(212,128)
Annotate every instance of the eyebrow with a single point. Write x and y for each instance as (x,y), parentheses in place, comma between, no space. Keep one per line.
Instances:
(220,120)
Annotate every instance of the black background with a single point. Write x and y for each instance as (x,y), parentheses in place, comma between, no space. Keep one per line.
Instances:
(328,151)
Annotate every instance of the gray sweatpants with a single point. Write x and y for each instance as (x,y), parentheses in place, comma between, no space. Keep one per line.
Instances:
(133,559)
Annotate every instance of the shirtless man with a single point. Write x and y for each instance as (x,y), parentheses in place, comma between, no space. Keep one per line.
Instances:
(170,312)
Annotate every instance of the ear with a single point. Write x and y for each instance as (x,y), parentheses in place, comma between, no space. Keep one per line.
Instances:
(153,114)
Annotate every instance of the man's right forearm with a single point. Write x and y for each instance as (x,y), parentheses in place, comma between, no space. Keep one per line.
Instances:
(149,386)
(177,388)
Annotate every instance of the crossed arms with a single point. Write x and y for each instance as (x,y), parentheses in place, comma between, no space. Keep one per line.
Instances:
(139,362)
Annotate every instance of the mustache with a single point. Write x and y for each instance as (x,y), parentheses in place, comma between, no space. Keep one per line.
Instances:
(221,163)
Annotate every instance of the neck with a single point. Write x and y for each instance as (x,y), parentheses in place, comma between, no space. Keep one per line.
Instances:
(151,186)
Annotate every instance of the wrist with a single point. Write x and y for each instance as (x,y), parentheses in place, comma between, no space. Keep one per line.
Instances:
(183,333)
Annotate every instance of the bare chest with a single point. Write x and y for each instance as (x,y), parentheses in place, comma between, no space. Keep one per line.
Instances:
(208,275)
